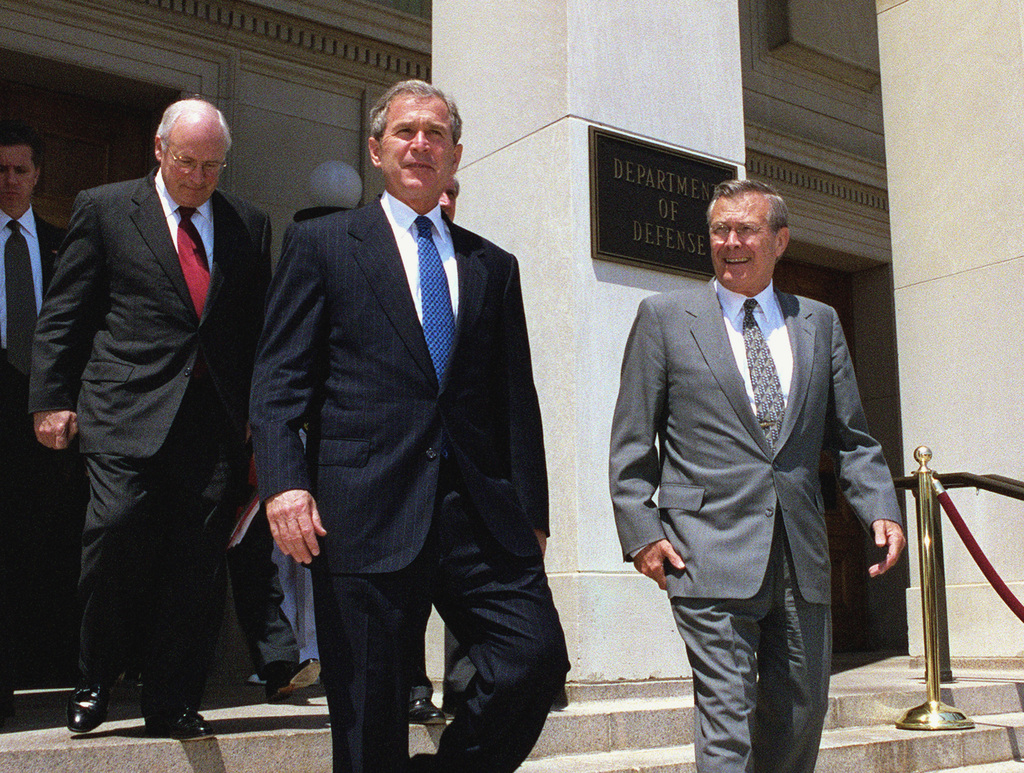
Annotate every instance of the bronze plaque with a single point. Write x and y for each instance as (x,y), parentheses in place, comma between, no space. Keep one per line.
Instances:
(648,203)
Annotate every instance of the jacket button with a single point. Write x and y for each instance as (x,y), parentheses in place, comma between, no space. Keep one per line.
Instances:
(770,511)
(431,454)
(188,372)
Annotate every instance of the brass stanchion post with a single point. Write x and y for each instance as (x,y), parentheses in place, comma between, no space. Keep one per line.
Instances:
(933,714)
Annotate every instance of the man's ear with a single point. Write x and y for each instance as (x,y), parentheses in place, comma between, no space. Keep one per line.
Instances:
(782,238)
(374,148)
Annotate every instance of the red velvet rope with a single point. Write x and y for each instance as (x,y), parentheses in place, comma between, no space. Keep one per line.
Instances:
(979,557)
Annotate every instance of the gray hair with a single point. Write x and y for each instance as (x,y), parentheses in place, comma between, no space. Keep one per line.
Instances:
(778,216)
(414,88)
(195,105)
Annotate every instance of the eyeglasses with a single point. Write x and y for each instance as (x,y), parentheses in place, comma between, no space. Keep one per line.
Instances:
(743,231)
(189,165)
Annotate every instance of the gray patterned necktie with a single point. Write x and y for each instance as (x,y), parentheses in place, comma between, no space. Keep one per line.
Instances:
(763,375)
(21,299)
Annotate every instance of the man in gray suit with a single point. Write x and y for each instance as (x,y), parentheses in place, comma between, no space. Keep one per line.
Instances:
(737,536)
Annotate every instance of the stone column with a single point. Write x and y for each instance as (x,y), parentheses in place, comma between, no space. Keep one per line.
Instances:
(952,98)
(530,78)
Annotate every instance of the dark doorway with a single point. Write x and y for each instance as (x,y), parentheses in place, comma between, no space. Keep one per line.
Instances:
(97,129)
(845,533)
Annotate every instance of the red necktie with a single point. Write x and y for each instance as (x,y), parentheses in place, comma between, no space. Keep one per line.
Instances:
(192,255)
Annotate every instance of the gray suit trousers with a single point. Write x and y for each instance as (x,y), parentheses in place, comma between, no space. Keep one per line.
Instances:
(760,673)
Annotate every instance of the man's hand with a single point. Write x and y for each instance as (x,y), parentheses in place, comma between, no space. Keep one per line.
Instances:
(887,533)
(55,429)
(295,524)
(542,539)
(651,560)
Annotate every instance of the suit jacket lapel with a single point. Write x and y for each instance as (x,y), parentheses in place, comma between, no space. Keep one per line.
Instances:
(380,261)
(148,217)
(799,325)
(709,332)
(227,232)
(472,281)
(49,238)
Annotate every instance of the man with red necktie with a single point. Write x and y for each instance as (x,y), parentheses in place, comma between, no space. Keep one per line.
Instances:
(144,348)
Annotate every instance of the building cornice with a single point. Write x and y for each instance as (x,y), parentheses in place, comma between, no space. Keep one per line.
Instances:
(329,39)
(817,183)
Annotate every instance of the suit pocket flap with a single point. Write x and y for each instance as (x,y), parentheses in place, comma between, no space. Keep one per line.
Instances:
(676,496)
(107,370)
(344,452)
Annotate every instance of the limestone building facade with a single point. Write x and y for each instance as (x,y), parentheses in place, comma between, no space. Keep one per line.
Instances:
(872,118)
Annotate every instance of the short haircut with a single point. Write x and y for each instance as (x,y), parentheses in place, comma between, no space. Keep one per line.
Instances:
(17,132)
(193,105)
(414,88)
(778,216)
(454,185)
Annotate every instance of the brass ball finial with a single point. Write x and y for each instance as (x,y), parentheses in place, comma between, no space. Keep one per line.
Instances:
(922,455)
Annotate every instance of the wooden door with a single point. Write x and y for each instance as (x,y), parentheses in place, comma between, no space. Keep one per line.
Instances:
(88,142)
(845,533)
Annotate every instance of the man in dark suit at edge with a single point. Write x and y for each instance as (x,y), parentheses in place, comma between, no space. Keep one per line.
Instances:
(401,338)
(729,394)
(145,344)
(41,491)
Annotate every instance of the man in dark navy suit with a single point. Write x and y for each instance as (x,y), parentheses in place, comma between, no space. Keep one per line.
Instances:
(41,491)
(400,339)
(144,348)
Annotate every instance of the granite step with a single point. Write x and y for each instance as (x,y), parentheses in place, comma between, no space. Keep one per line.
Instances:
(871,749)
(607,728)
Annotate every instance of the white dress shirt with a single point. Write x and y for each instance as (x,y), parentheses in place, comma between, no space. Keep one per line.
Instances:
(27,222)
(769,318)
(403,223)
(202,219)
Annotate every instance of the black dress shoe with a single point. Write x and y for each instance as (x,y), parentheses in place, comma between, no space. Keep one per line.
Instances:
(284,678)
(423,712)
(421,763)
(452,703)
(87,707)
(188,724)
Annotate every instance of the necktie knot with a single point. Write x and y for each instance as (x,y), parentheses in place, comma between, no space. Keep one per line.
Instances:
(15,226)
(424,228)
(186,213)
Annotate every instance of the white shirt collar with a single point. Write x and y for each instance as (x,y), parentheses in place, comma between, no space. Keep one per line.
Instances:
(732,304)
(169,205)
(26,221)
(404,216)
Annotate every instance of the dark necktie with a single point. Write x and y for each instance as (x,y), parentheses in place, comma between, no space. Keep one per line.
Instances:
(21,299)
(192,256)
(438,319)
(763,375)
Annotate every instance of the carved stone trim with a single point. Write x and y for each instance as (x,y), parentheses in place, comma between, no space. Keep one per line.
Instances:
(302,37)
(817,182)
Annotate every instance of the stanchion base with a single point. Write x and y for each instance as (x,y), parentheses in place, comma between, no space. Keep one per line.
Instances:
(934,715)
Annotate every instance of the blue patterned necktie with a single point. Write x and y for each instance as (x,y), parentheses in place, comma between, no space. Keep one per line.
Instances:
(763,375)
(438,319)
